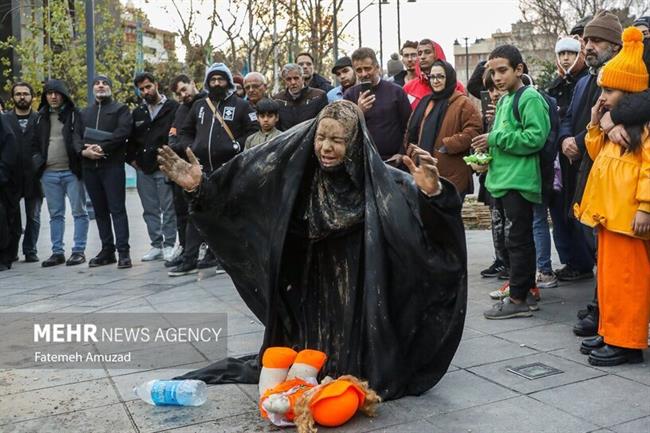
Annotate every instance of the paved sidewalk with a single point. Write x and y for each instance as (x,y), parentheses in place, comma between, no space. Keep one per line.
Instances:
(478,394)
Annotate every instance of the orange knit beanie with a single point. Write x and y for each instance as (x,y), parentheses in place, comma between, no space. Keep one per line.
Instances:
(626,71)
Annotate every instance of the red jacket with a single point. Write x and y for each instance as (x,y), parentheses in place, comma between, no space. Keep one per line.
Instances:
(419,87)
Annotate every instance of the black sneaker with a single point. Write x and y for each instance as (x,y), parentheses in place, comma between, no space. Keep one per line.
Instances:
(504,274)
(102,259)
(76,259)
(207,262)
(53,260)
(493,271)
(183,269)
(4,267)
(125,261)
(174,262)
(567,273)
(31,258)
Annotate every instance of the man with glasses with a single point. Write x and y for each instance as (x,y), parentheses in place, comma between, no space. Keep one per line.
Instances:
(21,120)
(255,87)
(409,54)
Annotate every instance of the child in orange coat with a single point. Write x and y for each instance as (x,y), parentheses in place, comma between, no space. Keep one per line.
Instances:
(617,202)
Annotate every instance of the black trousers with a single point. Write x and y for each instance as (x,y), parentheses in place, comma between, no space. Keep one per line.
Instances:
(182,213)
(519,242)
(12,228)
(107,190)
(193,241)
(32,223)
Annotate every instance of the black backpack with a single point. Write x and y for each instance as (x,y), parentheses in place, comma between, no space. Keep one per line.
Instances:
(550,150)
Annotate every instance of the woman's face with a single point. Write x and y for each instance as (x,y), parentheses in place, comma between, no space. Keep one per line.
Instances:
(330,142)
(438,78)
(610,97)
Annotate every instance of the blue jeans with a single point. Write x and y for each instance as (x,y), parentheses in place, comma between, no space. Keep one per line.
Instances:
(56,186)
(542,236)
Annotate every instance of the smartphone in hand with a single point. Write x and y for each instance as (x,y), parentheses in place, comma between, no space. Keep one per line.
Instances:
(366,85)
(485,101)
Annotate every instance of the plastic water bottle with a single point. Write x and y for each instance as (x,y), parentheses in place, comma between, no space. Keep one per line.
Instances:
(173,392)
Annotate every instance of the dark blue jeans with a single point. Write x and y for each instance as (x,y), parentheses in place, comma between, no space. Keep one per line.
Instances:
(32,224)
(574,242)
(106,186)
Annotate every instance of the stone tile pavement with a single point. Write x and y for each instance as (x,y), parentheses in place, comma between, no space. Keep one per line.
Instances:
(478,394)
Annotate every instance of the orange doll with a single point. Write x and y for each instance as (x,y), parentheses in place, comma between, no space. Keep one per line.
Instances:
(290,394)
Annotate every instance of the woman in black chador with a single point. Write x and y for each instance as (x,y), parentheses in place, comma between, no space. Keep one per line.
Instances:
(333,250)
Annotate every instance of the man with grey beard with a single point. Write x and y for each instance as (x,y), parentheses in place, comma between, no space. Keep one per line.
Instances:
(107,125)
(602,36)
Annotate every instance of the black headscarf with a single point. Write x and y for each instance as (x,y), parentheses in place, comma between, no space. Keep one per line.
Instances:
(433,121)
(336,199)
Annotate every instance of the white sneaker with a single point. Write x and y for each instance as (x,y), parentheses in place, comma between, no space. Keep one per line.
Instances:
(167,253)
(178,250)
(153,254)
(546,280)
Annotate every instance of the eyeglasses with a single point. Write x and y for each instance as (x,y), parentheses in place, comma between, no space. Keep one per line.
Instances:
(252,86)
(437,77)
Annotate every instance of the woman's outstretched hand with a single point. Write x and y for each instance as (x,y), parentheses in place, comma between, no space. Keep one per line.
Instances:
(185,174)
(425,173)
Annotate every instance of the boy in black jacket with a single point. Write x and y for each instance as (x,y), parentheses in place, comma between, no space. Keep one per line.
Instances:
(152,122)
(107,127)
(215,129)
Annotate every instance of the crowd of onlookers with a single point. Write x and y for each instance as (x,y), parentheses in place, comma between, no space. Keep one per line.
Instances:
(577,151)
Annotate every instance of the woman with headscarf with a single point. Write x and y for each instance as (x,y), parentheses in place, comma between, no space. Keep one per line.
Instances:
(444,124)
(333,250)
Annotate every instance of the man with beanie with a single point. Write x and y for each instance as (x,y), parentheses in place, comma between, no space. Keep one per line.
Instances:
(56,154)
(216,129)
(602,36)
(107,126)
(394,66)
(346,76)
(152,121)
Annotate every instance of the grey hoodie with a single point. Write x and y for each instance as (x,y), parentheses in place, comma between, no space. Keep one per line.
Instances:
(223,68)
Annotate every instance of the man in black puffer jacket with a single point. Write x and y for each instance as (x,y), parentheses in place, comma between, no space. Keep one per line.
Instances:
(298,102)
(56,155)
(107,127)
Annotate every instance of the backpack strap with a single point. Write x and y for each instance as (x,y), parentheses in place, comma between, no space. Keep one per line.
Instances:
(515,102)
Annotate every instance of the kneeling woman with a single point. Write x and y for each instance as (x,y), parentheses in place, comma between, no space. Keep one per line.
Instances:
(333,250)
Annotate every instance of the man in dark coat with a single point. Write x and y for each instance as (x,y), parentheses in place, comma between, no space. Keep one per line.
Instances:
(152,121)
(332,267)
(56,154)
(298,102)
(21,120)
(186,94)
(9,195)
(602,36)
(216,129)
(312,78)
(107,127)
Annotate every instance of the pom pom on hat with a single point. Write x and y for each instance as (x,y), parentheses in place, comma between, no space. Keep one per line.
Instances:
(626,71)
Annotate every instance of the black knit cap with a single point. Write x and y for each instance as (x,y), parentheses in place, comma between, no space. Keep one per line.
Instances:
(101,77)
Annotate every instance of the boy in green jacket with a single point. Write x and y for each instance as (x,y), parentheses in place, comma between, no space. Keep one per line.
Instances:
(514,177)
